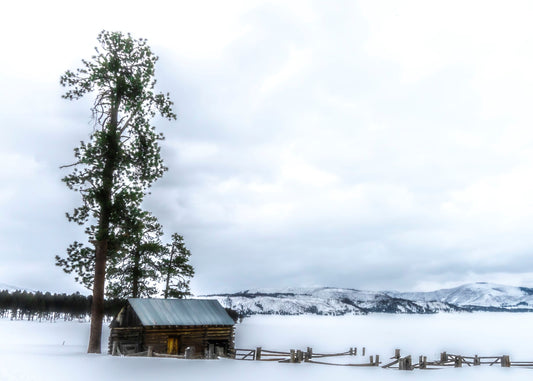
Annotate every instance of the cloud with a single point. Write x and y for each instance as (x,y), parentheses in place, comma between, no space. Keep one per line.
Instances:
(371,145)
(355,151)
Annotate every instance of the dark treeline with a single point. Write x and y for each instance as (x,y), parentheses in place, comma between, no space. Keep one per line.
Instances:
(47,306)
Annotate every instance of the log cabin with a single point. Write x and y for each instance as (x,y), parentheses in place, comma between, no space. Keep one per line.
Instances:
(171,326)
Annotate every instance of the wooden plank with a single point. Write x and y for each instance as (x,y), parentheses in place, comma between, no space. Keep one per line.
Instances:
(137,354)
(327,354)
(495,361)
(333,364)
(264,351)
(168,356)
(391,363)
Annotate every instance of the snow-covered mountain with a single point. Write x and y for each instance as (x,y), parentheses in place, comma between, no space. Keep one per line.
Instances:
(324,301)
(477,296)
(342,301)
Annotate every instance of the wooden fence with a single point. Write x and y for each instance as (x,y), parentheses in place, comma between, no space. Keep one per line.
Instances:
(452,360)
(309,356)
(397,361)
(298,356)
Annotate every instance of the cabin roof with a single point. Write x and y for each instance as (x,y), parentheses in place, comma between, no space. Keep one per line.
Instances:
(180,312)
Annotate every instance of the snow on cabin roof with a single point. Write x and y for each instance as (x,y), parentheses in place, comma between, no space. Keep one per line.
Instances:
(180,312)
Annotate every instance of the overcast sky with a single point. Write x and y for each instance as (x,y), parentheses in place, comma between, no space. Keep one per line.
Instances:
(373,145)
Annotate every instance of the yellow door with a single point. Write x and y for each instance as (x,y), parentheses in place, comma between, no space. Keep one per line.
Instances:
(172,345)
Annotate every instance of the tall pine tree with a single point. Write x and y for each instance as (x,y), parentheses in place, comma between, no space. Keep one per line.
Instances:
(121,159)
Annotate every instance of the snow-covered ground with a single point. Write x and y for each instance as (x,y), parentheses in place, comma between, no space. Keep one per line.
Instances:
(56,351)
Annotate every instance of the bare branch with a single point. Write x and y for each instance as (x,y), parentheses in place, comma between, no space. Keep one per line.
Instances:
(69,165)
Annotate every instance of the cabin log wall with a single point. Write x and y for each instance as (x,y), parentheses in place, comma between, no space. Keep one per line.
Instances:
(197,337)
(126,336)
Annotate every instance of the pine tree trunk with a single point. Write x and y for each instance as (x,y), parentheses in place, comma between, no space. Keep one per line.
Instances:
(102,234)
(167,283)
(136,274)
(97,307)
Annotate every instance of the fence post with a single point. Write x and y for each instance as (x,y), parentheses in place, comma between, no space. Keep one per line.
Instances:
(351,351)
(150,351)
(401,364)
(299,355)
(443,357)
(377,360)
(293,356)
(477,360)
(422,362)
(258,353)
(309,353)
(355,351)
(188,352)
(372,360)
(397,354)
(506,361)
(405,363)
(458,361)
(364,349)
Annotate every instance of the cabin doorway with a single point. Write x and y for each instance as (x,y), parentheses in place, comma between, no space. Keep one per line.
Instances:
(172,345)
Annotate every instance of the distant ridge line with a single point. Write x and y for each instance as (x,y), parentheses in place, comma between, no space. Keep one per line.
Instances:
(480,296)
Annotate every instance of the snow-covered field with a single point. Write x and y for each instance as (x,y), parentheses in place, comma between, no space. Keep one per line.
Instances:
(56,351)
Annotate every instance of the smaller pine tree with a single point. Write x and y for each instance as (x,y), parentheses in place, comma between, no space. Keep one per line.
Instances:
(134,270)
(175,269)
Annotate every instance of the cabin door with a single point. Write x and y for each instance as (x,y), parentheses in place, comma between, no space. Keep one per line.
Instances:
(172,345)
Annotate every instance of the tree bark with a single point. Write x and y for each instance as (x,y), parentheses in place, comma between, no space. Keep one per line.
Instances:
(167,282)
(136,273)
(97,307)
